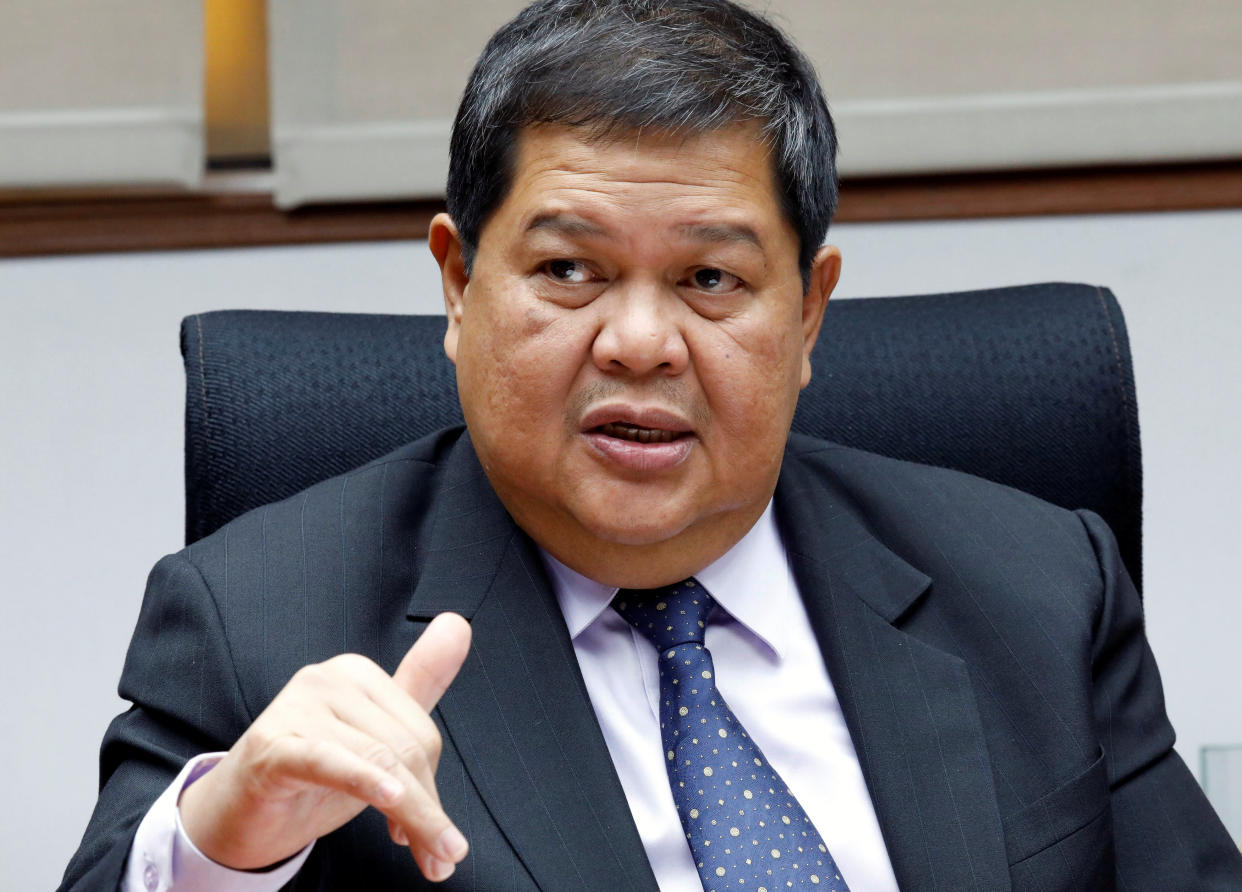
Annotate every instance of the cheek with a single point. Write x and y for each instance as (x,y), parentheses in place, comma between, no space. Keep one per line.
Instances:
(544,355)
(754,384)
(520,365)
(501,326)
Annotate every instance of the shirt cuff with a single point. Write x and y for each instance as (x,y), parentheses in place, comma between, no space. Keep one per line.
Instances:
(163,859)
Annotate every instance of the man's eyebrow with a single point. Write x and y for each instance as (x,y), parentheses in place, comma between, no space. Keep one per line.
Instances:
(564,224)
(574,225)
(721,232)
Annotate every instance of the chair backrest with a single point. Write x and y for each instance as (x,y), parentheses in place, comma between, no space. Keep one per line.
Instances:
(1030,386)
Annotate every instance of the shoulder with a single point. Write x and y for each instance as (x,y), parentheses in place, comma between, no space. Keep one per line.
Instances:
(1011,581)
(386,497)
(880,484)
(326,571)
(952,525)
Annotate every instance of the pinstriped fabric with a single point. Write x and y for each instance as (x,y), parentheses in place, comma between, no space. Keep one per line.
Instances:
(1035,689)
(520,699)
(1030,674)
(304,581)
(981,767)
(270,579)
(596,782)
(178,628)
(521,694)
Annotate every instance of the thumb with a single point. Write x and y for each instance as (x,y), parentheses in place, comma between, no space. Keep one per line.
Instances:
(431,664)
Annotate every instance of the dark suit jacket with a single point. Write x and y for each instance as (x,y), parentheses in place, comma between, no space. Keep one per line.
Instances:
(987,649)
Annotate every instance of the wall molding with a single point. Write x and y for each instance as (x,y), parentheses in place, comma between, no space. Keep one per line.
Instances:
(46,223)
(1144,188)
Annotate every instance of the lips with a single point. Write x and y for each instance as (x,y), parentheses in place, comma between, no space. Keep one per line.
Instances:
(632,422)
(638,440)
(637,434)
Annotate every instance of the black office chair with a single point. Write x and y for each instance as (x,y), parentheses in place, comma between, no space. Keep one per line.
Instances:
(1030,386)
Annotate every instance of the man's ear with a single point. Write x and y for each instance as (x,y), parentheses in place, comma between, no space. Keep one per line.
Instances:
(825,271)
(445,244)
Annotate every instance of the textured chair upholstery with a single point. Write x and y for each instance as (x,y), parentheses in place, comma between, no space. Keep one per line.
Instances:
(1030,386)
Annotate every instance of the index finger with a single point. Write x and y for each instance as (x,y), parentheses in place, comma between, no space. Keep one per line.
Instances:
(431,664)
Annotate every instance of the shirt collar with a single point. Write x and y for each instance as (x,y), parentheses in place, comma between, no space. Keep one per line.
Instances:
(750,581)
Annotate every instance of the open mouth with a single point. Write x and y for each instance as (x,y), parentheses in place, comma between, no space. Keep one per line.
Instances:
(639,440)
(636,434)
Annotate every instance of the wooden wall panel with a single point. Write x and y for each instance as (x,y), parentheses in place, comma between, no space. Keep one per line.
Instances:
(49,224)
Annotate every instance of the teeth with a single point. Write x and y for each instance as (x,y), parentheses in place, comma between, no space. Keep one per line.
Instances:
(637,434)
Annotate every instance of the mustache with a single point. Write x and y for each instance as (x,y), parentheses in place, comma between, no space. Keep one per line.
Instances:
(666,393)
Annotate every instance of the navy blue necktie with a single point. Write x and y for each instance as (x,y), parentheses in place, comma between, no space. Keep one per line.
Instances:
(745,828)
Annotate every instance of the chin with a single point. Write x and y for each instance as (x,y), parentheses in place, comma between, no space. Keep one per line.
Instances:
(652,519)
(635,533)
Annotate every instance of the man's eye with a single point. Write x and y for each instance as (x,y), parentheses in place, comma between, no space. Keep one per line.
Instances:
(714,280)
(570,271)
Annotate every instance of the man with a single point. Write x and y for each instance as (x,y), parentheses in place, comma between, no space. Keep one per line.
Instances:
(924,679)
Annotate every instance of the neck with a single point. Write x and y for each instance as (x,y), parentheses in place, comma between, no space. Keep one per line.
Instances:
(648,565)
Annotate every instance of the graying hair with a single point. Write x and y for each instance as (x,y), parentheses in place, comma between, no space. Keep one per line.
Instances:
(614,66)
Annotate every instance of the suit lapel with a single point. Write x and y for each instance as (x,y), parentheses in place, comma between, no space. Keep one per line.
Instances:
(518,712)
(523,724)
(910,707)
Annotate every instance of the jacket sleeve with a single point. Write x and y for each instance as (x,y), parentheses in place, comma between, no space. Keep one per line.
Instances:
(1166,834)
(186,699)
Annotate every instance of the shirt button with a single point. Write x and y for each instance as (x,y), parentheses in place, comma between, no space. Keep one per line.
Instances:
(151,878)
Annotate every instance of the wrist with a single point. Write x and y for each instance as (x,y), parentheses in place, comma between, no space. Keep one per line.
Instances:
(219,821)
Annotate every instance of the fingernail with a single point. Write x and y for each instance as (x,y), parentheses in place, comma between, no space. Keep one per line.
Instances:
(452,844)
(399,837)
(438,870)
(390,789)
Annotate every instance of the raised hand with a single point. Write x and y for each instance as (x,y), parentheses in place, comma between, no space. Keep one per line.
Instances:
(340,736)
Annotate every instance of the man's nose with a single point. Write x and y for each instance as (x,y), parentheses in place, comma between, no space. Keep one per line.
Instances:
(641,331)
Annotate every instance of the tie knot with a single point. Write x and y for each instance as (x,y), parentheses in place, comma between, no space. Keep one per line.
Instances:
(669,616)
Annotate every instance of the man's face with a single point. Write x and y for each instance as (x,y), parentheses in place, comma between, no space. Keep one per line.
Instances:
(630,345)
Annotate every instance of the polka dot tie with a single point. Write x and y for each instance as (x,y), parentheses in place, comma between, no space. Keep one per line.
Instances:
(745,829)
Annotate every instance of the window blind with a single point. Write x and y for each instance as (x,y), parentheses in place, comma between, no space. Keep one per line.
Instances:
(100,92)
(364,90)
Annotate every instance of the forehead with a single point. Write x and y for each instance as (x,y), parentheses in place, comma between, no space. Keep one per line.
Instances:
(721,177)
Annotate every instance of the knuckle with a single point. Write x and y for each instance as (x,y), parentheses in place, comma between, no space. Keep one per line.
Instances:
(434,745)
(313,675)
(315,754)
(260,744)
(355,669)
(334,672)
(414,757)
(321,763)
(380,755)
(333,665)
(349,662)
(269,758)
(422,751)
